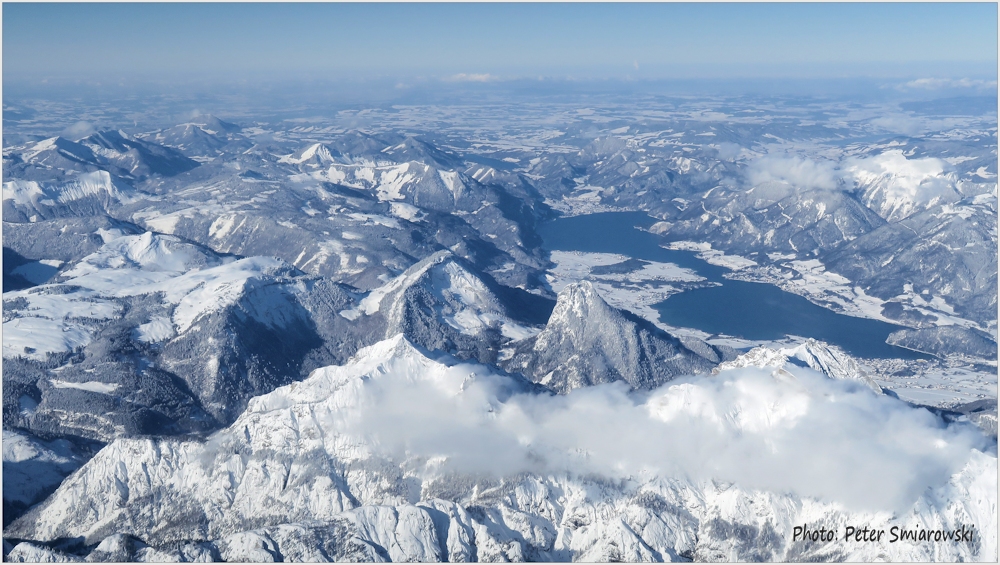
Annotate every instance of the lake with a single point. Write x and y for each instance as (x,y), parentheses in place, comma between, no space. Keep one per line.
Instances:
(755,311)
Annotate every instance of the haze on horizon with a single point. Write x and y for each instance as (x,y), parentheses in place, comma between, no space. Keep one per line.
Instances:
(497,42)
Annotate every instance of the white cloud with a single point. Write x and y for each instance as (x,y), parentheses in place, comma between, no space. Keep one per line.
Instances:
(78,131)
(942,83)
(899,123)
(728,151)
(798,172)
(805,434)
(473,77)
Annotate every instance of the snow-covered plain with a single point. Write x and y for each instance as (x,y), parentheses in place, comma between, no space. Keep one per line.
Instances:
(713,256)
(635,290)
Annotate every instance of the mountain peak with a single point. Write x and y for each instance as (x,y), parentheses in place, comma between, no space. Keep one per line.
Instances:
(315,154)
(580,309)
(817,355)
(587,342)
(445,303)
(371,303)
(414,149)
(581,290)
(108,139)
(392,357)
(387,348)
(397,346)
(214,125)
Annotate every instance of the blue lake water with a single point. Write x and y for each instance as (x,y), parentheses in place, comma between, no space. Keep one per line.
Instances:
(748,310)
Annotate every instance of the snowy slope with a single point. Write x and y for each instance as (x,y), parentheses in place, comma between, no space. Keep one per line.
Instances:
(315,155)
(154,334)
(442,303)
(53,320)
(341,448)
(32,467)
(896,187)
(827,359)
(587,342)
(91,192)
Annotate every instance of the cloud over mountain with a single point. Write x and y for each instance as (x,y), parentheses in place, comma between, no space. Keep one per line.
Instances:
(801,432)
(800,172)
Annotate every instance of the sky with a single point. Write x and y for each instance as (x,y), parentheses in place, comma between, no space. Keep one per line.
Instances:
(485,42)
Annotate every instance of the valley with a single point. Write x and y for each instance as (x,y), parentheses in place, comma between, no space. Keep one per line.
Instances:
(591,328)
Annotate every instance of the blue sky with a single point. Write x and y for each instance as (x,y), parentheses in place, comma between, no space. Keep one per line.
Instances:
(499,40)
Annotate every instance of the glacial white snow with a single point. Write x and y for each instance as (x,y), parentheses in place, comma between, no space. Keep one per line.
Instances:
(797,447)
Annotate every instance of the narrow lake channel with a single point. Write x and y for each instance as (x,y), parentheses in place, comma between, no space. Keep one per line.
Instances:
(748,310)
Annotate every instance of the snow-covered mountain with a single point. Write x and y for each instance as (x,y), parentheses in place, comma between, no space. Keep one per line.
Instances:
(190,139)
(411,182)
(215,125)
(59,153)
(134,158)
(587,342)
(89,194)
(334,334)
(825,358)
(946,340)
(255,204)
(442,303)
(896,187)
(151,334)
(202,137)
(315,155)
(775,217)
(946,253)
(333,468)
(412,149)
(176,337)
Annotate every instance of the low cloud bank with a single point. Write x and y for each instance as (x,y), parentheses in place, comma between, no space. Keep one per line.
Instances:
(932,83)
(472,77)
(796,171)
(728,151)
(807,434)
(78,131)
(900,123)
(917,180)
